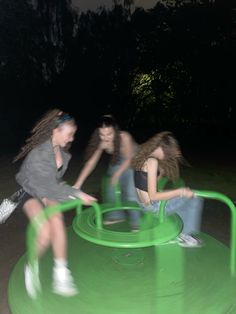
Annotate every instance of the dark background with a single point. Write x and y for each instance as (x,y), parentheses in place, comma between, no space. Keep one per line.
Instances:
(167,68)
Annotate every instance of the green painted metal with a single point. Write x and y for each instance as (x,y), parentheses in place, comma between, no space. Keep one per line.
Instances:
(154,230)
(120,272)
(117,189)
(152,233)
(161,185)
(144,239)
(223,198)
(163,229)
(163,279)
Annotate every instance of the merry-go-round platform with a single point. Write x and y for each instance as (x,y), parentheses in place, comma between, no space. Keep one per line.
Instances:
(123,272)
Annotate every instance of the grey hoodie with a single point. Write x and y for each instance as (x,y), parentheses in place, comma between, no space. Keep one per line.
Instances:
(40,177)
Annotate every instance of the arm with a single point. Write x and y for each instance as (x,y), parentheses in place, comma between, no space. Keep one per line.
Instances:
(127,145)
(38,176)
(154,195)
(88,168)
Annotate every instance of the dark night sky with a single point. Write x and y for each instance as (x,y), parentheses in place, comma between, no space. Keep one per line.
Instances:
(16,119)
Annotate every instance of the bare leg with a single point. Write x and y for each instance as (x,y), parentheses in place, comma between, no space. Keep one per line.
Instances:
(63,282)
(58,233)
(32,208)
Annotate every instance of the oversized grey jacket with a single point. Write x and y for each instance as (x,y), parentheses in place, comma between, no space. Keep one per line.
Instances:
(40,177)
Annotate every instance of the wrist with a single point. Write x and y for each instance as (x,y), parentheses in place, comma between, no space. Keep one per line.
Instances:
(76,187)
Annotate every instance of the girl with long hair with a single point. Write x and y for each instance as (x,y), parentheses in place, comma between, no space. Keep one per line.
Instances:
(46,159)
(108,138)
(160,155)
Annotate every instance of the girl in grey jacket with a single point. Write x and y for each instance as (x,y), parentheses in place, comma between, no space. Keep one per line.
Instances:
(40,177)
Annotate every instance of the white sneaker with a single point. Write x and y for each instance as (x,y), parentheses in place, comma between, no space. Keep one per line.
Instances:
(134,229)
(187,240)
(6,209)
(32,282)
(63,282)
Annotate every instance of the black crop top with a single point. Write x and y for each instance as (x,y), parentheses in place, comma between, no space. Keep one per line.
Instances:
(140,180)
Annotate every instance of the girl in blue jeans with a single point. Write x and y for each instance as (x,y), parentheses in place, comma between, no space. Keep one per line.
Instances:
(120,145)
(161,154)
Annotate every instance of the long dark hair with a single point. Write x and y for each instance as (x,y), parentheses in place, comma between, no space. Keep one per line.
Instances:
(43,128)
(104,122)
(171,149)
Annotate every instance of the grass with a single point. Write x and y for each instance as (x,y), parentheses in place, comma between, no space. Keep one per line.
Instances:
(212,176)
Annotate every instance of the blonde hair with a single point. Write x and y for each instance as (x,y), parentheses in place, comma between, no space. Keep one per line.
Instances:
(43,129)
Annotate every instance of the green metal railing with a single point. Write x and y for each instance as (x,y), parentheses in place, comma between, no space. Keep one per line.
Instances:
(223,198)
(37,222)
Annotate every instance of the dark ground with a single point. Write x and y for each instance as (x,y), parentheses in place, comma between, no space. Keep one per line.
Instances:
(215,220)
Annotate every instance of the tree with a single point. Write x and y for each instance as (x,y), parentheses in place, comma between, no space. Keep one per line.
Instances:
(58,25)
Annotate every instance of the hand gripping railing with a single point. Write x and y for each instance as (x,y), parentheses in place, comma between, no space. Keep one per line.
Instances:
(204,194)
(161,185)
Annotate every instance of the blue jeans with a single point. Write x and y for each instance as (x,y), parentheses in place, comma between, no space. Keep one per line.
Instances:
(128,193)
(189,210)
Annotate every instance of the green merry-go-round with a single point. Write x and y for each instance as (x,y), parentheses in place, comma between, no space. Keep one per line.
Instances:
(122,272)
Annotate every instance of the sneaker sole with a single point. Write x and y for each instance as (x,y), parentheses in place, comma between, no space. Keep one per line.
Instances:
(190,246)
(65,293)
(112,222)
(31,288)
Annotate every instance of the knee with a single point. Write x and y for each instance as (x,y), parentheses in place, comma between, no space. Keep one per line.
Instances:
(56,221)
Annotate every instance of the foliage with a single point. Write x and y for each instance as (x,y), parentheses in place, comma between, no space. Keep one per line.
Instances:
(167,67)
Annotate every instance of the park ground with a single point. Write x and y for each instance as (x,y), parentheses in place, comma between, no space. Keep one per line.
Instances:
(212,171)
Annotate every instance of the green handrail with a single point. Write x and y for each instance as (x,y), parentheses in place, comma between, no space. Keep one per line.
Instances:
(98,215)
(223,198)
(118,198)
(117,191)
(162,210)
(37,222)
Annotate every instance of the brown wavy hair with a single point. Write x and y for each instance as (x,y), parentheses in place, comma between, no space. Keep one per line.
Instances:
(43,129)
(104,122)
(172,152)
